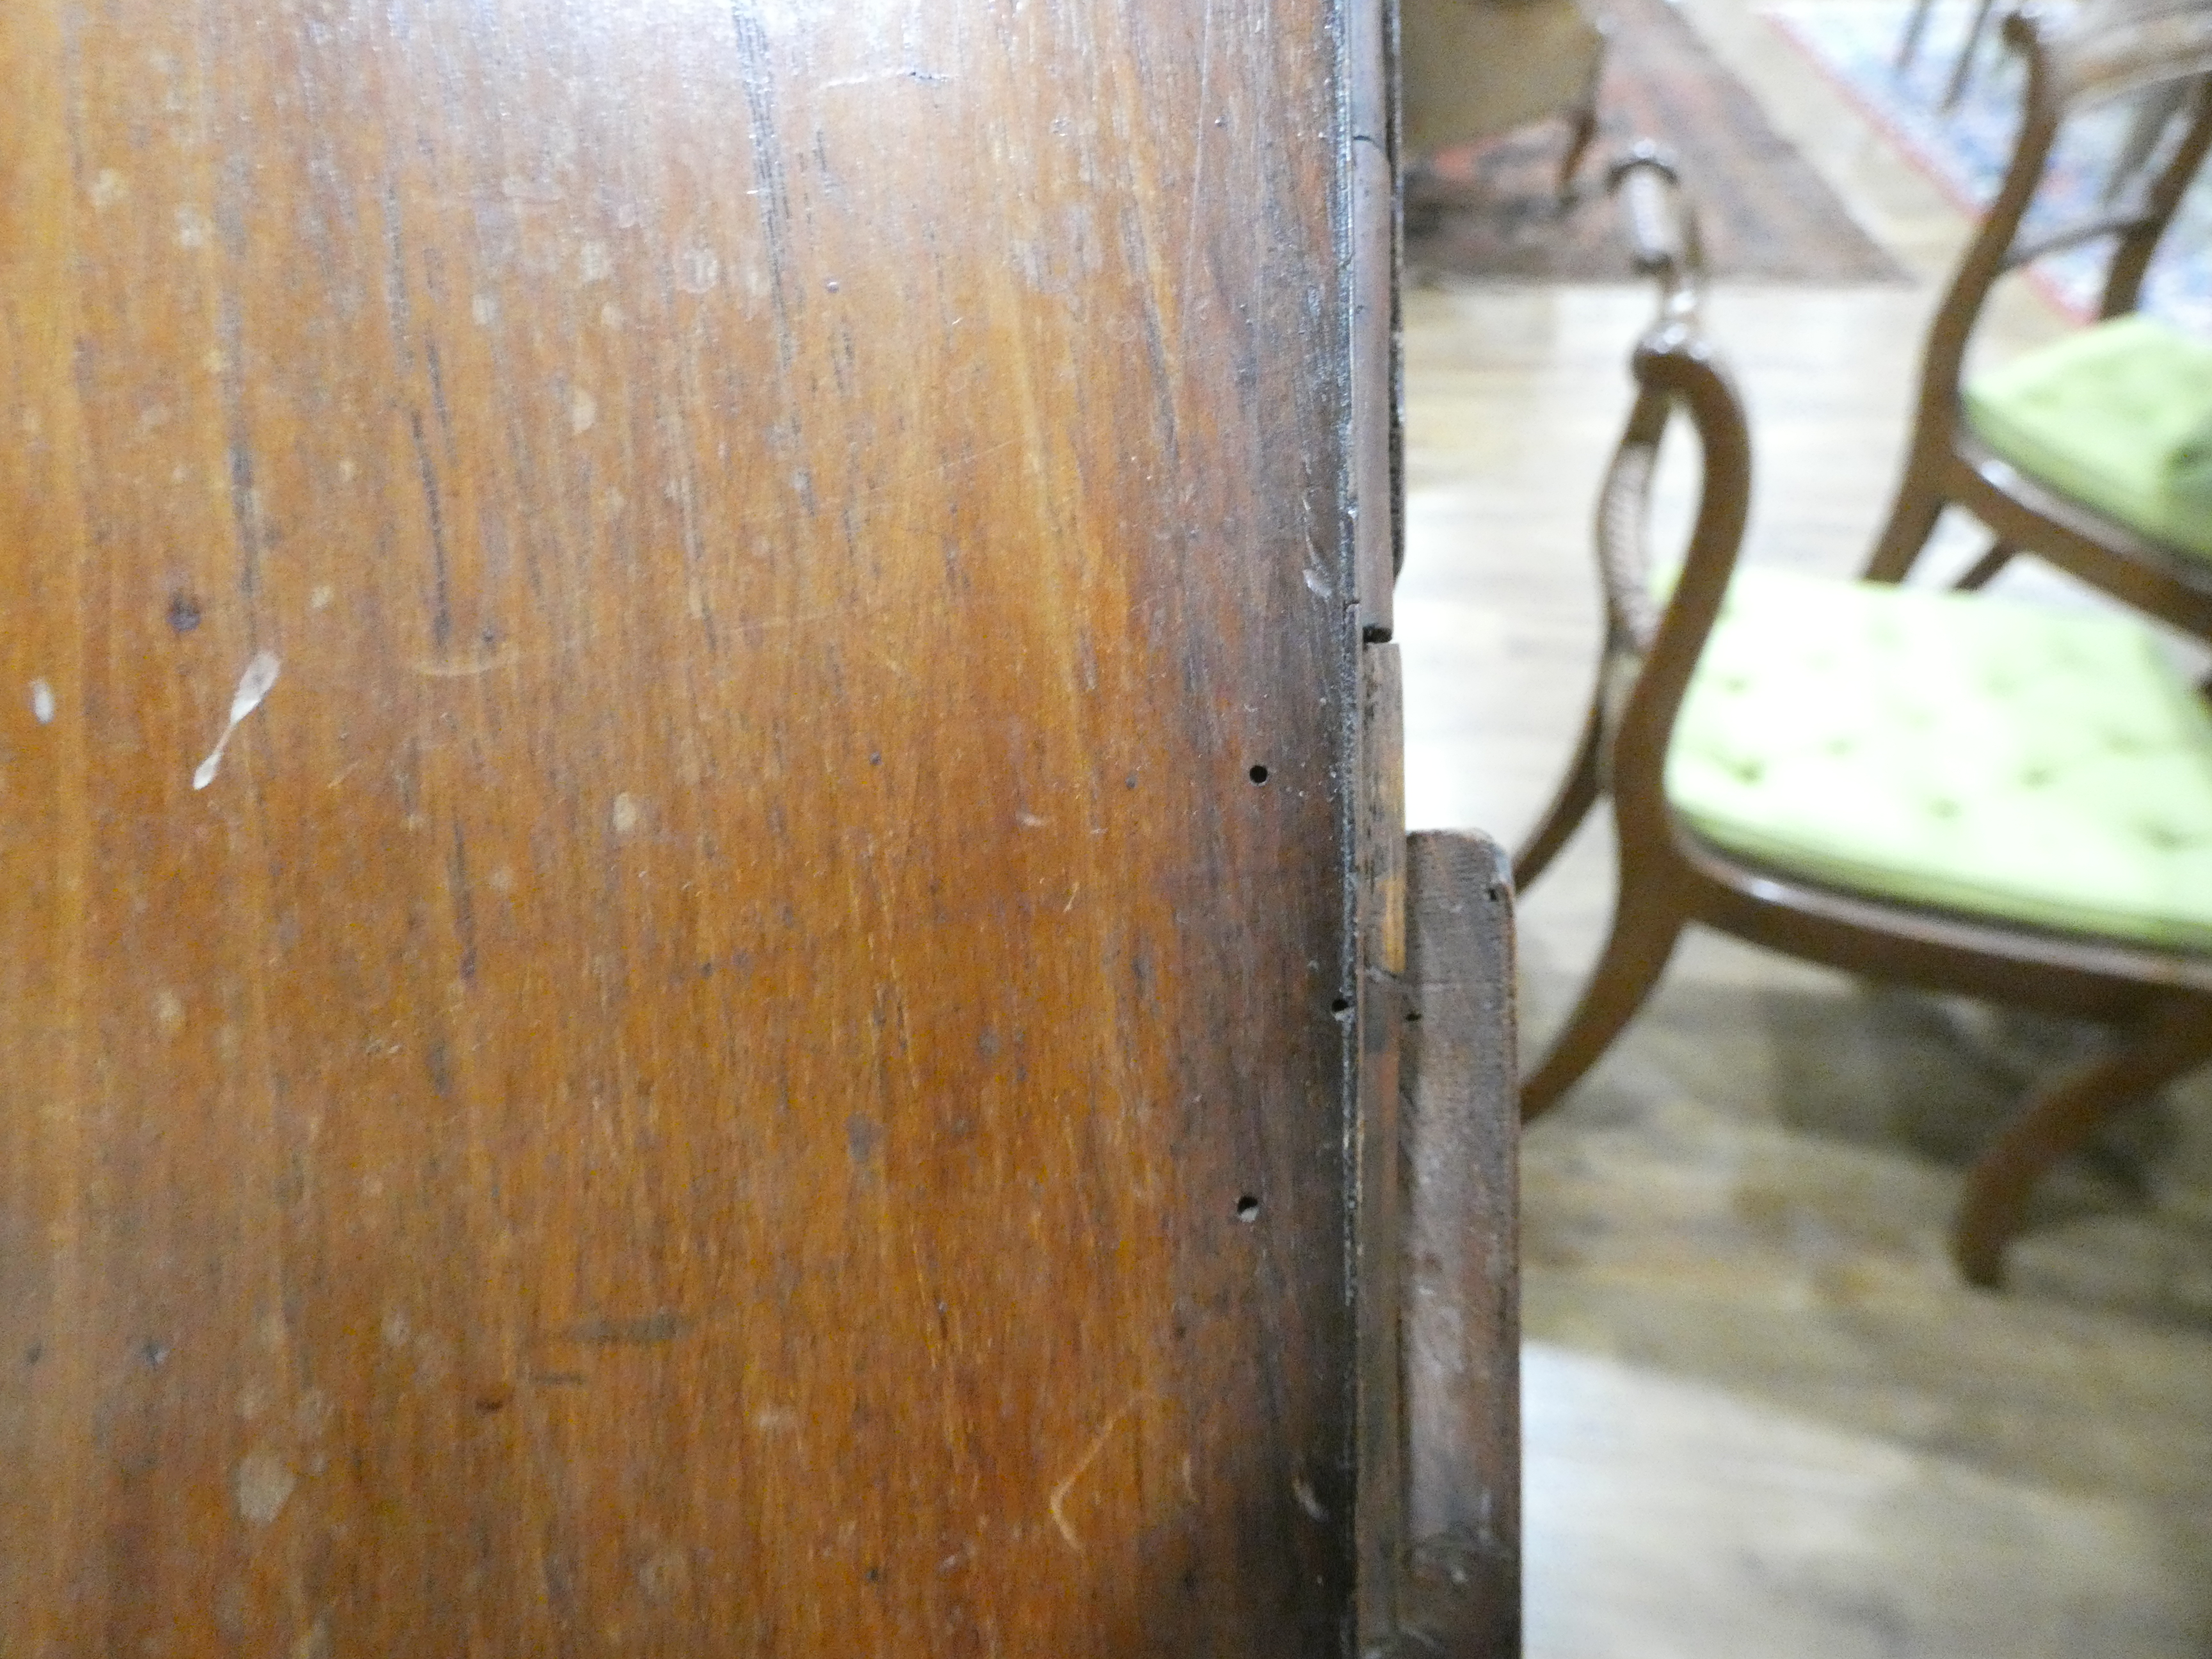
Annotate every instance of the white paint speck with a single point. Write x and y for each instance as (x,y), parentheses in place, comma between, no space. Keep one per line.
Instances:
(583,411)
(109,188)
(42,702)
(626,814)
(1317,583)
(484,307)
(253,686)
(262,1485)
(321,598)
(311,1414)
(168,1011)
(193,227)
(593,263)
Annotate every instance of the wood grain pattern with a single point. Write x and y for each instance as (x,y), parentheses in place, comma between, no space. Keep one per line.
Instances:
(738,1058)
(1376,1011)
(1460,1123)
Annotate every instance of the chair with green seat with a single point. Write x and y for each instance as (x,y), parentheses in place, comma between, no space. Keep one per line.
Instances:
(1955,790)
(2095,453)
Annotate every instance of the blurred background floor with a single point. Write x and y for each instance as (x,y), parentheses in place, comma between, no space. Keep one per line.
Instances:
(1764,1417)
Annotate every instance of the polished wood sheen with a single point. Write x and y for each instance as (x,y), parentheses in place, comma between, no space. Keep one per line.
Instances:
(746,1052)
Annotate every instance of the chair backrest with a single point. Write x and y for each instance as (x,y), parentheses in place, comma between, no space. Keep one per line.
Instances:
(2106,50)
(1651,646)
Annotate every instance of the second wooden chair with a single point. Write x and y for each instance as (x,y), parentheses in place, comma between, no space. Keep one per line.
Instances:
(2095,453)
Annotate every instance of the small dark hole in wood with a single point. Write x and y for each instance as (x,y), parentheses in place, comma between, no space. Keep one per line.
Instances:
(1259,774)
(1340,1006)
(1248,1208)
(1413,1014)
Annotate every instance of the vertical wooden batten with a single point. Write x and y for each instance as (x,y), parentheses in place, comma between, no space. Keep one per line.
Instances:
(1460,1594)
(743,1053)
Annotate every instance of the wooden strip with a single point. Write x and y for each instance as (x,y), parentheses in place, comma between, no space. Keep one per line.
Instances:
(1463,1312)
(1373,260)
(1379,1017)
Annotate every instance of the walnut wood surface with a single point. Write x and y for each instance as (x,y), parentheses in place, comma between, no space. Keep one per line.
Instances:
(736,1059)
(1461,1109)
(1376,1012)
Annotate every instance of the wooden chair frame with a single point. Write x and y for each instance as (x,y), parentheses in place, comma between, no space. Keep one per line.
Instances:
(1962,68)
(1670,877)
(2113,50)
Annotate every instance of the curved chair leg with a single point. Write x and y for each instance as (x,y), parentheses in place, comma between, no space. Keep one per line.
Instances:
(1582,129)
(1985,569)
(1963,70)
(2175,1040)
(1914,27)
(1643,935)
(1571,804)
(1911,522)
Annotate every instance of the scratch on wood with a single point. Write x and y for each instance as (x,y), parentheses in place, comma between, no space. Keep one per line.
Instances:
(253,686)
(662,1326)
(462,671)
(931,77)
(1082,1464)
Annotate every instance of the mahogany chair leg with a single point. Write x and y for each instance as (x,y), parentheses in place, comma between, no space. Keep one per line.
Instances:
(1644,936)
(1963,70)
(1985,569)
(1579,135)
(1915,26)
(1571,804)
(2175,1039)
(1911,522)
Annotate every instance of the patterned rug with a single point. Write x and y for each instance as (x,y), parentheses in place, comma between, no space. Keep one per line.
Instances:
(1487,211)
(1965,151)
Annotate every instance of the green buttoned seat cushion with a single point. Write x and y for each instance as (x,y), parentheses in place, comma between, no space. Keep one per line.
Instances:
(2009,761)
(2119,417)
